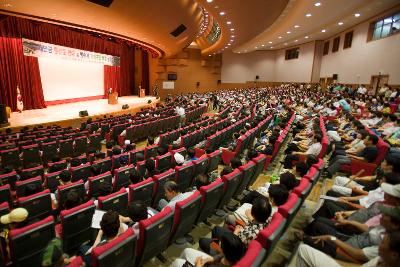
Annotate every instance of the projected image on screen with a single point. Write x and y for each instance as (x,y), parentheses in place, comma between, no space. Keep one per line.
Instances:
(68,79)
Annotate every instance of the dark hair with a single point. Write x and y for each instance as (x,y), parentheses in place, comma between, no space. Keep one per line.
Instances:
(161,150)
(31,189)
(109,145)
(73,199)
(110,223)
(150,140)
(374,139)
(7,169)
(318,137)
(301,168)
(252,154)
(116,151)
(137,211)
(96,170)
(150,165)
(278,193)
(171,186)
(201,180)
(311,160)
(394,162)
(129,147)
(134,177)
(392,178)
(75,162)
(394,240)
(236,163)
(226,170)
(261,209)
(232,247)
(288,180)
(104,189)
(65,176)
(191,152)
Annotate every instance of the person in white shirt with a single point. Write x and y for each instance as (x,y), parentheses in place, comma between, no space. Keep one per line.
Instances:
(173,195)
(361,90)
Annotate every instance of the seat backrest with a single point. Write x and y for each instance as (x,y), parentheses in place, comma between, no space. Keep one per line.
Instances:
(231,182)
(159,181)
(82,172)
(116,158)
(383,148)
(259,161)
(117,201)
(290,208)
(184,176)
(185,215)
(270,235)
(200,166)
(31,155)
(9,178)
(214,160)
(248,170)
(5,194)
(119,252)
(76,225)
(150,152)
(312,175)
(62,191)
(254,257)
(104,164)
(303,189)
(164,162)
(122,176)
(154,235)
(10,158)
(27,243)
(95,181)
(21,185)
(142,191)
(32,172)
(38,205)
(211,196)
(59,165)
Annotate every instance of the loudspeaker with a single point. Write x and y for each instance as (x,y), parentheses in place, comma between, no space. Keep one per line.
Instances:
(334,77)
(126,106)
(198,84)
(3,114)
(83,113)
(181,28)
(257,77)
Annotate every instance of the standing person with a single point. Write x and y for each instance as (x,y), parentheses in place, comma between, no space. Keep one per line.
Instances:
(20,103)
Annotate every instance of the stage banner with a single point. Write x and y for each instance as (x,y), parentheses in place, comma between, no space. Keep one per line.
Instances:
(40,49)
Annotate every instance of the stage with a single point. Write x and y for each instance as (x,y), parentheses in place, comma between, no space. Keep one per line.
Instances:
(68,114)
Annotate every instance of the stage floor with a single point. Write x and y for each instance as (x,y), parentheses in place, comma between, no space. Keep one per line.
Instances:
(67,113)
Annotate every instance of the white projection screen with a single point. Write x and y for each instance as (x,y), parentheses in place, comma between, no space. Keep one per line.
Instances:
(67,79)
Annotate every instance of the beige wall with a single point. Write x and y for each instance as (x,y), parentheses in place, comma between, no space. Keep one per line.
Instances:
(363,59)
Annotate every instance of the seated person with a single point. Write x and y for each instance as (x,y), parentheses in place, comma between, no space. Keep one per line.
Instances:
(151,169)
(173,195)
(313,149)
(268,147)
(232,250)
(201,180)
(150,141)
(260,214)
(191,154)
(137,211)
(73,200)
(235,163)
(103,190)
(232,144)
(179,159)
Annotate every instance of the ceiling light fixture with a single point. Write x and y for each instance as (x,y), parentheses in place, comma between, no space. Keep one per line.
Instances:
(308,15)
(271,47)
(323,30)
(209,1)
(288,32)
(229,44)
(255,47)
(317,4)
(295,40)
(262,45)
(229,22)
(233,36)
(280,37)
(222,13)
(270,42)
(296,26)
(357,15)
(285,43)
(340,23)
(306,37)
(232,29)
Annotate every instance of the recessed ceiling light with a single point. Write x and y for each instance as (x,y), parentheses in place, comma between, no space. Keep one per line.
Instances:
(255,47)
(357,15)
(308,15)
(295,40)
(245,50)
(233,36)
(288,32)
(296,26)
(280,37)
(323,30)
(270,42)
(285,43)
(222,13)
(209,1)
(340,23)
(229,22)
(306,37)
(226,47)
(209,55)
(229,44)
(262,45)
(317,4)
(232,29)
(271,47)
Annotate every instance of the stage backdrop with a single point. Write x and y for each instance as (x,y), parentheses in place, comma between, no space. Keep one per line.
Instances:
(66,80)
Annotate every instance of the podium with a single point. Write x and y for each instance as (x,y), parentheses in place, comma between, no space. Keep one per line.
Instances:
(113,98)
(142,92)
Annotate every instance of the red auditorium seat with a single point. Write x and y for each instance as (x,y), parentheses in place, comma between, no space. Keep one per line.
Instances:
(38,205)
(142,191)
(164,162)
(32,172)
(5,194)
(105,165)
(211,196)
(117,201)
(270,235)
(254,257)
(231,183)
(312,175)
(62,191)
(27,243)
(81,145)
(62,164)
(121,176)
(150,151)
(132,155)
(116,158)
(52,180)
(260,162)
(31,156)
(9,178)
(159,181)
(290,208)
(76,262)
(20,185)
(200,166)
(49,151)
(214,160)
(184,176)
(248,170)
(95,181)
(10,158)
(154,235)
(82,172)
(185,215)
(66,148)
(303,189)
(76,225)
(118,252)
(95,141)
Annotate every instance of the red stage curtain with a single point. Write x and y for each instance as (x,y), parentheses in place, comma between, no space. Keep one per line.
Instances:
(112,76)
(17,69)
(145,71)
(60,35)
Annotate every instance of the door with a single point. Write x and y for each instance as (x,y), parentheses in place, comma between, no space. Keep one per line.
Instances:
(378,81)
